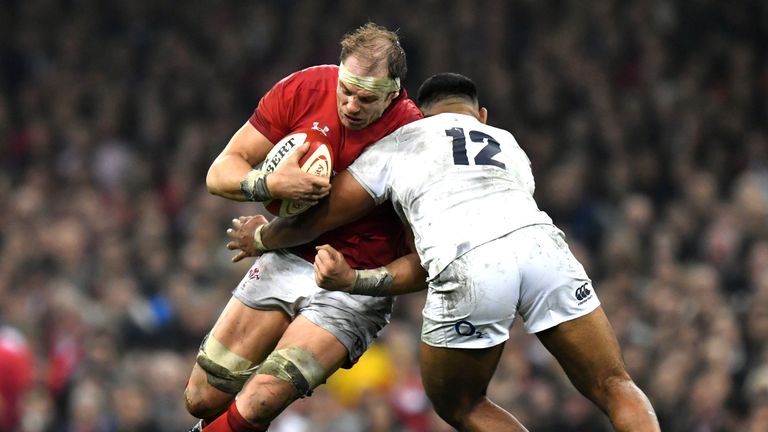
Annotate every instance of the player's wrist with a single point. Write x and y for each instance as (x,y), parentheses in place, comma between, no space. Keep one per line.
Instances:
(254,186)
(374,282)
(258,243)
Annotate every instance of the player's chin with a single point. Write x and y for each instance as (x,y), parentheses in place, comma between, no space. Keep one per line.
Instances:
(353,123)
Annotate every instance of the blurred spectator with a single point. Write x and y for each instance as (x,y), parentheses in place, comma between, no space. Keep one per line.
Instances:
(17,365)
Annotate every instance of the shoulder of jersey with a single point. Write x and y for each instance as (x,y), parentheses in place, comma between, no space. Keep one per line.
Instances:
(305,82)
(320,72)
(410,110)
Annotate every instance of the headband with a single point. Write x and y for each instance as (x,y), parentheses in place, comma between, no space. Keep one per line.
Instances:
(372,84)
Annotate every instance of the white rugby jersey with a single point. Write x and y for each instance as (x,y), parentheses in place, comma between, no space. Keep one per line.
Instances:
(457,182)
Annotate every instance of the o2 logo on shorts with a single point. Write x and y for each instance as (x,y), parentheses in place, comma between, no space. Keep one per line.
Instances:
(466,328)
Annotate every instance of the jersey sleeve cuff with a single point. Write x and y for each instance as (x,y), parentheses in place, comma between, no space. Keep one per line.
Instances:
(378,199)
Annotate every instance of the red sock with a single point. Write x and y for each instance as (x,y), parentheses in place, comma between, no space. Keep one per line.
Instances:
(232,421)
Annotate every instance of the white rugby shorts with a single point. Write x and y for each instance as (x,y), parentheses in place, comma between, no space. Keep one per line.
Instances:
(530,271)
(280,280)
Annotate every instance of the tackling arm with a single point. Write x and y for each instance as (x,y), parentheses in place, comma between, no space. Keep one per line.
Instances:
(253,236)
(348,202)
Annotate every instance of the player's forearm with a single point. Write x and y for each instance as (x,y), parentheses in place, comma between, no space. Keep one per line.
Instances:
(402,276)
(289,232)
(407,275)
(225,177)
(338,209)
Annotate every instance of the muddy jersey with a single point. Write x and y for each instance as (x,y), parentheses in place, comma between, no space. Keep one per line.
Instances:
(458,182)
(307,99)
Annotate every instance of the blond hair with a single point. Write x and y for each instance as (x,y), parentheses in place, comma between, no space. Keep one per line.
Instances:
(375,44)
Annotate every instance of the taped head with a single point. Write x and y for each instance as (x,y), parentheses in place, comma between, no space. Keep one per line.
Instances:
(371,67)
(378,85)
(378,48)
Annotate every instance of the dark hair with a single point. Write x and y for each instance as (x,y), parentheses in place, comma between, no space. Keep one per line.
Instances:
(375,43)
(444,85)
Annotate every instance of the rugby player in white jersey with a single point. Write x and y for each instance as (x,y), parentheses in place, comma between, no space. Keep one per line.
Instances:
(466,190)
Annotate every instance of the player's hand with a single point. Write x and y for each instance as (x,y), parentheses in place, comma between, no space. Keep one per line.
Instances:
(241,234)
(332,271)
(289,182)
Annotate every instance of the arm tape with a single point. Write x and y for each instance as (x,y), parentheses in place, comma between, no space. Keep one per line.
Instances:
(254,186)
(375,282)
(257,242)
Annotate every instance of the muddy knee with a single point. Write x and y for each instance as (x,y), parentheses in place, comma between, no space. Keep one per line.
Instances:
(284,376)
(296,366)
(224,372)
(605,388)
(617,383)
(202,401)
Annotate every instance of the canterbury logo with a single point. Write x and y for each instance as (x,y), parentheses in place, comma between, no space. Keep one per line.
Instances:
(582,292)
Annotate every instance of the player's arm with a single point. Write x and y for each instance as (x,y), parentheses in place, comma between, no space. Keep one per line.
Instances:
(402,276)
(348,202)
(233,174)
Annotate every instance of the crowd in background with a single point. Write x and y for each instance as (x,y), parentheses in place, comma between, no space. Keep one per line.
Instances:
(645,122)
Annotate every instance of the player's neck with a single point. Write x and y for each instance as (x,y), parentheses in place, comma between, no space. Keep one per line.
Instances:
(454,106)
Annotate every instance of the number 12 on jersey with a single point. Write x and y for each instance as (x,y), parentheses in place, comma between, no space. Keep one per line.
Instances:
(484,156)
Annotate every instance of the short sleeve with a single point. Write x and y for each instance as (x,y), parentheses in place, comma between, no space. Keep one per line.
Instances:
(372,169)
(272,116)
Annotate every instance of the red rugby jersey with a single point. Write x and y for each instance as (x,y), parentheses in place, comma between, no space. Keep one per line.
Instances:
(307,99)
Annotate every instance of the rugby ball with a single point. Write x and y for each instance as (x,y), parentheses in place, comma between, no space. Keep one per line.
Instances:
(317,161)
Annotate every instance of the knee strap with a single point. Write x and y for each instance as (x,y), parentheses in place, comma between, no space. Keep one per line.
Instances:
(224,369)
(295,365)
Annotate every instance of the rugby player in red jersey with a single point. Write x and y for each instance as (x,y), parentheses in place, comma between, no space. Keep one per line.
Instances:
(280,335)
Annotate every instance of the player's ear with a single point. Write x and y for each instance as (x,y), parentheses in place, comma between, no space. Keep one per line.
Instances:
(483,115)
